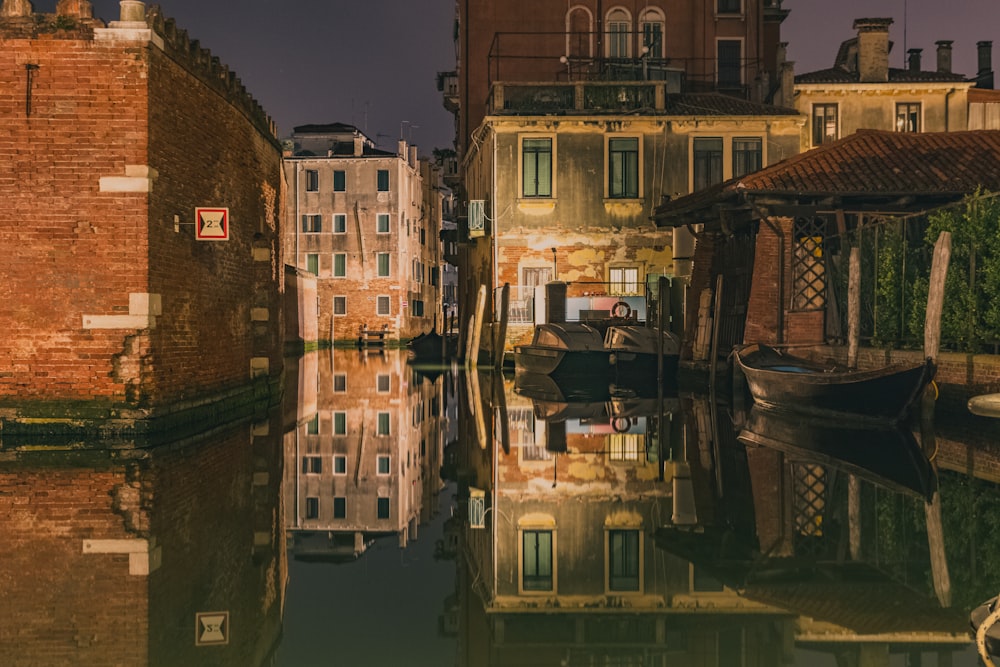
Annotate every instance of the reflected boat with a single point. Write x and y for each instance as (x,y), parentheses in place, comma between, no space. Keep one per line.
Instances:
(545,388)
(565,350)
(887,456)
(992,636)
(780,380)
(635,350)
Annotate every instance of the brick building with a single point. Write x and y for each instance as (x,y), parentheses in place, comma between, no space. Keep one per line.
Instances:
(365,223)
(109,304)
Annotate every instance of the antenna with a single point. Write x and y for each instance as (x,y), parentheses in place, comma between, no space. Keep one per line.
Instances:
(904,35)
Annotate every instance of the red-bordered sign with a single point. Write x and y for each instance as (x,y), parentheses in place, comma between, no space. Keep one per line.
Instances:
(211,224)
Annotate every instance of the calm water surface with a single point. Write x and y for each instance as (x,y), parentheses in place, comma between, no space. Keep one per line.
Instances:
(386,516)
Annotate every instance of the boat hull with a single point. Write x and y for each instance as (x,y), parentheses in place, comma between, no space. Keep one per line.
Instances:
(562,364)
(787,383)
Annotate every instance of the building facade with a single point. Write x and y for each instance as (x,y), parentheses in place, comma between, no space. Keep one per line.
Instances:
(362,221)
(119,300)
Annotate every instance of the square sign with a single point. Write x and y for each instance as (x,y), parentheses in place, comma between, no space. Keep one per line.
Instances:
(211,224)
(211,628)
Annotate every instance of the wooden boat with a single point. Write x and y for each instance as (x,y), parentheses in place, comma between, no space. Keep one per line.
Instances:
(985,405)
(782,381)
(564,350)
(634,354)
(991,637)
(883,454)
(432,347)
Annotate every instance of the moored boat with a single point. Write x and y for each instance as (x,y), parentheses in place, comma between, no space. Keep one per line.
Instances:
(564,350)
(634,352)
(782,381)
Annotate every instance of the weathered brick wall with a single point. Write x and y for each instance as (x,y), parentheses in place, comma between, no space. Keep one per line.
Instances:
(122,136)
(61,606)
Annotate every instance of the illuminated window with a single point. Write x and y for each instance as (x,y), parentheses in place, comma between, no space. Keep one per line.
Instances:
(824,120)
(623,280)
(536,566)
(908,117)
(536,167)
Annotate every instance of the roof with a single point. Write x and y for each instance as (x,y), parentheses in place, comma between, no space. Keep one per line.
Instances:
(844,76)
(328,128)
(715,104)
(869,162)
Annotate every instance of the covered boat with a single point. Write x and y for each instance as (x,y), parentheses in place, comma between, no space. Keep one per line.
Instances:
(782,381)
(564,350)
(634,352)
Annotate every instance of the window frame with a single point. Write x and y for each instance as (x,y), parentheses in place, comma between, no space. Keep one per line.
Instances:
(738,81)
(819,135)
(626,155)
(720,11)
(339,305)
(382,181)
(535,582)
(379,460)
(381,228)
(735,173)
(341,271)
(633,570)
(339,458)
(339,507)
(714,158)
(312,464)
(312,263)
(339,429)
(312,223)
(522,174)
(383,423)
(902,119)
(339,180)
(383,265)
(312,508)
(339,223)
(340,377)
(312,180)
(623,282)
(653,17)
(383,501)
(614,37)
(387,377)
(383,312)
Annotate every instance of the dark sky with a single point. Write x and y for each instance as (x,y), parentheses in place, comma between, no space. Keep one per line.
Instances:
(372,63)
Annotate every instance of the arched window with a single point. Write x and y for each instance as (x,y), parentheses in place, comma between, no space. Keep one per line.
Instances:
(618,33)
(652,24)
(579,33)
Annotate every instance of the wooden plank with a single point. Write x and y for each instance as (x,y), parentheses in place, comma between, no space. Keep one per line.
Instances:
(853,307)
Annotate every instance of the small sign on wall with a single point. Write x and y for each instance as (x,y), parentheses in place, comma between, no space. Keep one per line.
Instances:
(211,224)
(211,628)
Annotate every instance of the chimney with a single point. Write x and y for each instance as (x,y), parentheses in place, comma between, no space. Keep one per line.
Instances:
(11,8)
(413,156)
(873,49)
(944,56)
(132,11)
(401,151)
(913,59)
(359,146)
(984,77)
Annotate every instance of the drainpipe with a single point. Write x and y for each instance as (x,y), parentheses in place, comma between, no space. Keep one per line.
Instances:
(947,96)
(295,222)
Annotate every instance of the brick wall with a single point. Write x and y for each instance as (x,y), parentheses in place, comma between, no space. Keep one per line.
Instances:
(102,303)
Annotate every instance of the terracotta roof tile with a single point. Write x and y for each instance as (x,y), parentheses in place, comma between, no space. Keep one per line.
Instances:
(715,104)
(841,75)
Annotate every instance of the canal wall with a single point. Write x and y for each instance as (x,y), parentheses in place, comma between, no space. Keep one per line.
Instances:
(111,307)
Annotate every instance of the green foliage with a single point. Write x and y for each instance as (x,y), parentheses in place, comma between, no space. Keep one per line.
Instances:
(889,286)
(970,509)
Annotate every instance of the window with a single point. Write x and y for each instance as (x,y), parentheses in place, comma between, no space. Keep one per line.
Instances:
(312,465)
(383,382)
(312,428)
(908,117)
(536,167)
(579,43)
(383,508)
(418,308)
(729,63)
(382,225)
(619,28)
(312,508)
(623,167)
(340,305)
(623,560)
(340,382)
(339,265)
(707,161)
(312,263)
(340,423)
(624,280)
(651,24)
(729,7)
(339,223)
(824,119)
(340,508)
(383,464)
(383,265)
(382,305)
(383,424)
(312,224)
(536,567)
(339,464)
(339,181)
(383,180)
(312,180)
(747,155)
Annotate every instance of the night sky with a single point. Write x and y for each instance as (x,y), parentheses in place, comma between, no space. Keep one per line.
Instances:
(372,63)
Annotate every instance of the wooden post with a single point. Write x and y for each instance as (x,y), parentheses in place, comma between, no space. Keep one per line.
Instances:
(713,360)
(501,334)
(932,344)
(477,329)
(853,307)
(662,308)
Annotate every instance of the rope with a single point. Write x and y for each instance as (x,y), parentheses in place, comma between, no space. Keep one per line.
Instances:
(984,627)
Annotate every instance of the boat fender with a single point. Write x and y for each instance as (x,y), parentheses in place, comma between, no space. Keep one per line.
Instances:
(621,310)
(612,359)
(621,424)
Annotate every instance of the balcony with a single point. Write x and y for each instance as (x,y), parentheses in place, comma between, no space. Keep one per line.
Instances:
(447,84)
(578,98)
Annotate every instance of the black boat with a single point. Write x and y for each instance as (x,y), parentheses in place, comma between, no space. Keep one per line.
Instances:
(432,347)
(782,381)
(885,455)
(635,351)
(565,351)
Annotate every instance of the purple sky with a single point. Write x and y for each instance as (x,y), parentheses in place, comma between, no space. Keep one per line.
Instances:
(372,63)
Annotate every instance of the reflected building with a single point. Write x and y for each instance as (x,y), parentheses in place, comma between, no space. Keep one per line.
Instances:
(362,454)
(115,553)
(644,532)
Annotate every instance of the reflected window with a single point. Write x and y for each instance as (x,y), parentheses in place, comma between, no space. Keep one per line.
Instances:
(382,223)
(312,508)
(339,508)
(383,508)
(339,464)
(339,181)
(625,447)
(624,280)
(623,560)
(340,305)
(340,423)
(383,464)
(312,426)
(382,305)
(383,382)
(339,223)
(312,465)
(537,560)
(340,382)
(340,265)
(383,423)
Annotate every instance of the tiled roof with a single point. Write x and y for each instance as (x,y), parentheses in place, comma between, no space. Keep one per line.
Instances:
(328,128)
(714,104)
(841,75)
(869,162)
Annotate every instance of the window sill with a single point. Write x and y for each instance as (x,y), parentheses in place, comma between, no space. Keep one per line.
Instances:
(539,204)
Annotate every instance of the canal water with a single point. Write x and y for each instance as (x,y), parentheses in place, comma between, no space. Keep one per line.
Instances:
(392,515)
